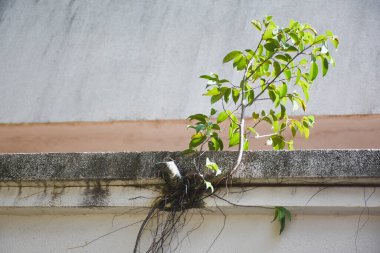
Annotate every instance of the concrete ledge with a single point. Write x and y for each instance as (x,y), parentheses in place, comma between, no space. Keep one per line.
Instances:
(312,182)
(322,167)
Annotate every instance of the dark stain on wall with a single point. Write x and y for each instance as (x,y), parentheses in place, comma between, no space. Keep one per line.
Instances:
(96,196)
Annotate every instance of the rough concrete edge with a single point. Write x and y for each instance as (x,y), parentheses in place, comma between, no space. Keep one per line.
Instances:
(306,167)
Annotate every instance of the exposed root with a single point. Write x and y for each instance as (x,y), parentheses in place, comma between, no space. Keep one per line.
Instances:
(221,230)
(104,235)
(365,209)
(167,217)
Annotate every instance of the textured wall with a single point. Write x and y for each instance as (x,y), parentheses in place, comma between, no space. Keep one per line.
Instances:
(115,60)
(306,233)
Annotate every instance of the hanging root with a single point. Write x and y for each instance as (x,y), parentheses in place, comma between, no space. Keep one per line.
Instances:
(167,216)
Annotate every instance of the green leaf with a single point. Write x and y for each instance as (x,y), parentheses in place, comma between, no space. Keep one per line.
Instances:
(282,113)
(298,126)
(268,33)
(227,94)
(290,145)
(305,89)
(271,47)
(213,111)
(277,68)
(298,75)
(240,62)
(282,57)
(212,92)
(260,50)
(216,98)
(281,214)
(246,145)
(306,132)
(313,71)
(335,41)
(303,62)
(212,166)
(325,66)
(256,24)
(234,140)
(197,139)
(276,126)
(223,116)
(207,77)
(235,95)
(319,39)
(231,55)
(201,117)
(198,127)
(291,49)
(311,119)
(252,130)
(188,151)
(215,127)
(293,129)
(294,37)
(288,74)
(283,89)
(302,103)
(329,33)
(255,115)
(221,146)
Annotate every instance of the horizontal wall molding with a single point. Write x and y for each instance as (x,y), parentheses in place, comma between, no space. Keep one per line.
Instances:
(307,167)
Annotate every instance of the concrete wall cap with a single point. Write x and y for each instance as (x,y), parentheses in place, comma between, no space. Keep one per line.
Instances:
(348,167)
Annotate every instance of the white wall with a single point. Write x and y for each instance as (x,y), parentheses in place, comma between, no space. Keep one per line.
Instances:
(55,219)
(242,234)
(115,60)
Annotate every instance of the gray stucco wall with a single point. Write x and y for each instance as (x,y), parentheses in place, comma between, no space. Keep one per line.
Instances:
(116,60)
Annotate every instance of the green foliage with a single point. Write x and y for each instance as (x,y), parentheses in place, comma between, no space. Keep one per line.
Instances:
(281,214)
(281,69)
(284,59)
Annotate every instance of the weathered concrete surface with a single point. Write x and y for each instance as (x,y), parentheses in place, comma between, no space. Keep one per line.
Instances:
(281,167)
(124,60)
(103,213)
